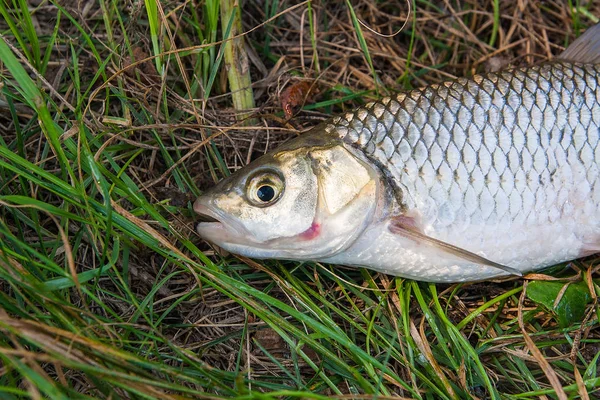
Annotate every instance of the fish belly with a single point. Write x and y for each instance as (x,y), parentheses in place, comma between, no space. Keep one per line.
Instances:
(504,165)
(380,250)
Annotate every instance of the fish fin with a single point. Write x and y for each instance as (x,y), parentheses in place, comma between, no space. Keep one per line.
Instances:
(407,227)
(589,249)
(585,49)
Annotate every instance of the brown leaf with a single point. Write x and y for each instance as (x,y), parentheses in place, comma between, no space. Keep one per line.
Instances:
(145,68)
(270,340)
(295,96)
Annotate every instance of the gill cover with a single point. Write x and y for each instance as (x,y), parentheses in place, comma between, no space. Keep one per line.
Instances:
(341,177)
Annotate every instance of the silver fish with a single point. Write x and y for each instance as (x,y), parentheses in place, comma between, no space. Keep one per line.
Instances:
(467,180)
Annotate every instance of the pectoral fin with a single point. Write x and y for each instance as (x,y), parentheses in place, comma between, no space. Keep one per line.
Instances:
(406,227)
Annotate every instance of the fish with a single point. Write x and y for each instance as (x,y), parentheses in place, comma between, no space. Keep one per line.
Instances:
(472,179)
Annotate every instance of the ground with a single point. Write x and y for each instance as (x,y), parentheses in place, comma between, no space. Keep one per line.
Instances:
(115,115)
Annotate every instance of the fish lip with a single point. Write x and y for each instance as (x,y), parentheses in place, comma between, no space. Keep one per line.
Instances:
(206,215)
(206,218)
(217,228)
(210,222)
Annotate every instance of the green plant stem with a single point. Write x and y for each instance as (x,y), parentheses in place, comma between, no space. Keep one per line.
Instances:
(236,60)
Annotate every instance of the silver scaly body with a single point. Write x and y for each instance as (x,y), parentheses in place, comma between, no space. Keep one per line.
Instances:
(504,165)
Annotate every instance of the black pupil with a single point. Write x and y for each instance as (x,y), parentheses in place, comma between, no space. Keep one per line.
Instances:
(265,193)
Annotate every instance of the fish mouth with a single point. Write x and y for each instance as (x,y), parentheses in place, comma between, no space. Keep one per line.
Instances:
(217,228)
(205,214)
(227,234)
(202,217)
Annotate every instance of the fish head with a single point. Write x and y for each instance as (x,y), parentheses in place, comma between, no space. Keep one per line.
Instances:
(302,202)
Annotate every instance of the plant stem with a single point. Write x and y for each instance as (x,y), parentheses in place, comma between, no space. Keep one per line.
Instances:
(236,59)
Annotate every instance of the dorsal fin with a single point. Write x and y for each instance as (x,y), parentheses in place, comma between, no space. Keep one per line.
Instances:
(585,49)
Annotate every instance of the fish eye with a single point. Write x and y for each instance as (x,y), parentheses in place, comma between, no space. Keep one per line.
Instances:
(266,193)
(264,188)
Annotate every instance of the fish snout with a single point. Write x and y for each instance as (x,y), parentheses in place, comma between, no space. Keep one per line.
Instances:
(205,213)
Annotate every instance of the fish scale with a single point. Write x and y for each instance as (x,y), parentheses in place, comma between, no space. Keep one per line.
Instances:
(525,137)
